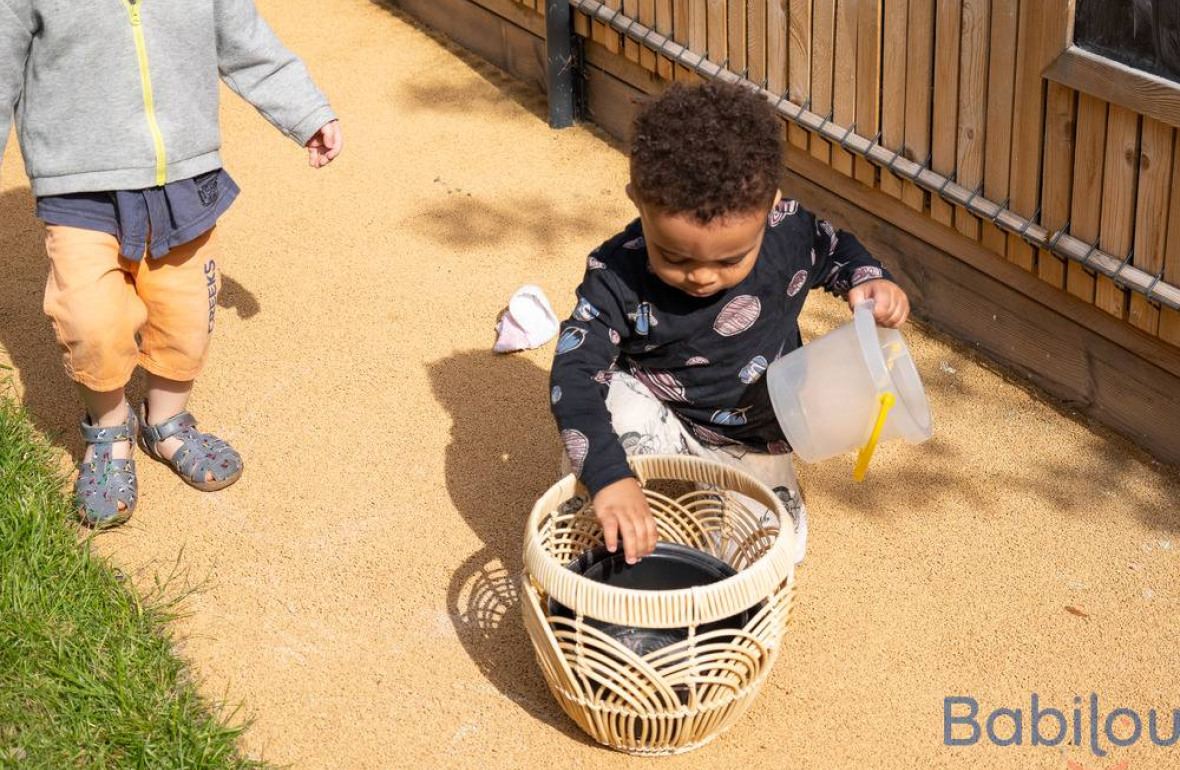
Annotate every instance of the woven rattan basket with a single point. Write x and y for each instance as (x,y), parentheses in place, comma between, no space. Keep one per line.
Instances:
(679,697)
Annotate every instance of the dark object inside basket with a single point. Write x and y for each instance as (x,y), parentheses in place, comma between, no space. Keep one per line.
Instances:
(670,567)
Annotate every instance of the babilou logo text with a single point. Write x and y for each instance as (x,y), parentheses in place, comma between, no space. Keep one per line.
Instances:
(1085,725)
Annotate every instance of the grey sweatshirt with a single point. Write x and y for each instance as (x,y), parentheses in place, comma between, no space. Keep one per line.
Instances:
(123,94)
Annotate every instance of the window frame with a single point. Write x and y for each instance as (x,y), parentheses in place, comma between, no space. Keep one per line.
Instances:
(1113,81)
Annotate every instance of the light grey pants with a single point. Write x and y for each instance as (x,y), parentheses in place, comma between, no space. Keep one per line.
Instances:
(646,426)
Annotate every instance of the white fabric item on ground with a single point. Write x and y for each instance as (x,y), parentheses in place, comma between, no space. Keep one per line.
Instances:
(529,322)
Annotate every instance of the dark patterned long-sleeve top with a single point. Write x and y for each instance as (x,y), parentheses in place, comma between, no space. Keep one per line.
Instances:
(703,357)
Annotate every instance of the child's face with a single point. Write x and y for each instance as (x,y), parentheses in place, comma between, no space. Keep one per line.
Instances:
(702,260)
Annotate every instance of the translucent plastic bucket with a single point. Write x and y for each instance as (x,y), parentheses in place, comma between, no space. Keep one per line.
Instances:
(833,394)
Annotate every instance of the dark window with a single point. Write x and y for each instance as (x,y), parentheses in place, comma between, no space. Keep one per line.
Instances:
(1144,34)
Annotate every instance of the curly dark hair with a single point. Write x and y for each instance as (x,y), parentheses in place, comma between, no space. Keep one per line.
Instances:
(707,150)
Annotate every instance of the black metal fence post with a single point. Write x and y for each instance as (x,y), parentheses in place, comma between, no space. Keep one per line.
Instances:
(559,36)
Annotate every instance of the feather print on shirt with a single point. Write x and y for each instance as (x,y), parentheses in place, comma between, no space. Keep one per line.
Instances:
(707,436)
(577,446)
(783,209)
(797,282)
(663,385)
(585,311)
(831,233)
(571,339)
(643,319)
(730,417)
(739,314)
(752,371)
(866,273)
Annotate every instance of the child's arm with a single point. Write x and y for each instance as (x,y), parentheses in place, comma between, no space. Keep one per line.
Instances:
(15,39)
(843,266)
(262,71)
(587,347)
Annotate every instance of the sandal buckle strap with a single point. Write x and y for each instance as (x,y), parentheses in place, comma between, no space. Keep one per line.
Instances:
(95,434)
(170,427)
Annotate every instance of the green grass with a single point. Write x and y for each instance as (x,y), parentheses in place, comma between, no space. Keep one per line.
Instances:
(88,675)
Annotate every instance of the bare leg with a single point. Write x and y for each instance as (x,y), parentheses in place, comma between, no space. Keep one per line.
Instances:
(106,409)
(166,399)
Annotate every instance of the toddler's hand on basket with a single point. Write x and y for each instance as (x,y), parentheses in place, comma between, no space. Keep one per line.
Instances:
(622,511)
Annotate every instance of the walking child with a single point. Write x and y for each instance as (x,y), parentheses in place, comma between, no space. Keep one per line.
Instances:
(116,107)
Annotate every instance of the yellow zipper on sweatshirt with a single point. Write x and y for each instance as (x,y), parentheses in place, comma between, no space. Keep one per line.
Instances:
(145,78)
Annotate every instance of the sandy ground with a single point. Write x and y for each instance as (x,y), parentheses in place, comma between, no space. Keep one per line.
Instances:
(358,581)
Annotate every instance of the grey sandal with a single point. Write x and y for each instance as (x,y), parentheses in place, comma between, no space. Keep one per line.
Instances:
(104,482)
(201,455)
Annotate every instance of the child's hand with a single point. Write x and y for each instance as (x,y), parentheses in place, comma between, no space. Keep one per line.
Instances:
(891,307)
(622,509)
(327,143)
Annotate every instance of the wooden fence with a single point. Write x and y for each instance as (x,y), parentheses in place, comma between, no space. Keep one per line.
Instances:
(973,103)
(956,85)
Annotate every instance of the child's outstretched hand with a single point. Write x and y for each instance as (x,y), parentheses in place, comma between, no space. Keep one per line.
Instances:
(327,143)
(891,307)
(622,510)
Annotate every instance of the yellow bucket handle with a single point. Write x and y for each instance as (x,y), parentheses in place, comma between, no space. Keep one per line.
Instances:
(866,452)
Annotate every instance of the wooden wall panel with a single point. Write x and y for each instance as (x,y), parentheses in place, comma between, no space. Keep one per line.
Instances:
(959,84)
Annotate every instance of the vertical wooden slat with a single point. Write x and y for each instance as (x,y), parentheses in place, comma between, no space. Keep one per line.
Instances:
(919,76)
(799,62)
(868,83)
(581,24)
(647,17)
(776,47)
(1151,227)
(718,41)
(697,34)
(736,34)
(665,25)
(680,25)
(893,87)
(946,99)
(756,36)
(1001,83)
(610,38)
(1057,179)
(1118,206)
(823,31)
(844,88)
(1169,325)
(973,96)
(681,12)
(631,47)
(598,32)
(1036,16)
(1086,208)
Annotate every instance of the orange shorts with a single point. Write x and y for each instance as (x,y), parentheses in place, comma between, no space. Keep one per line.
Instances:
(111,314)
